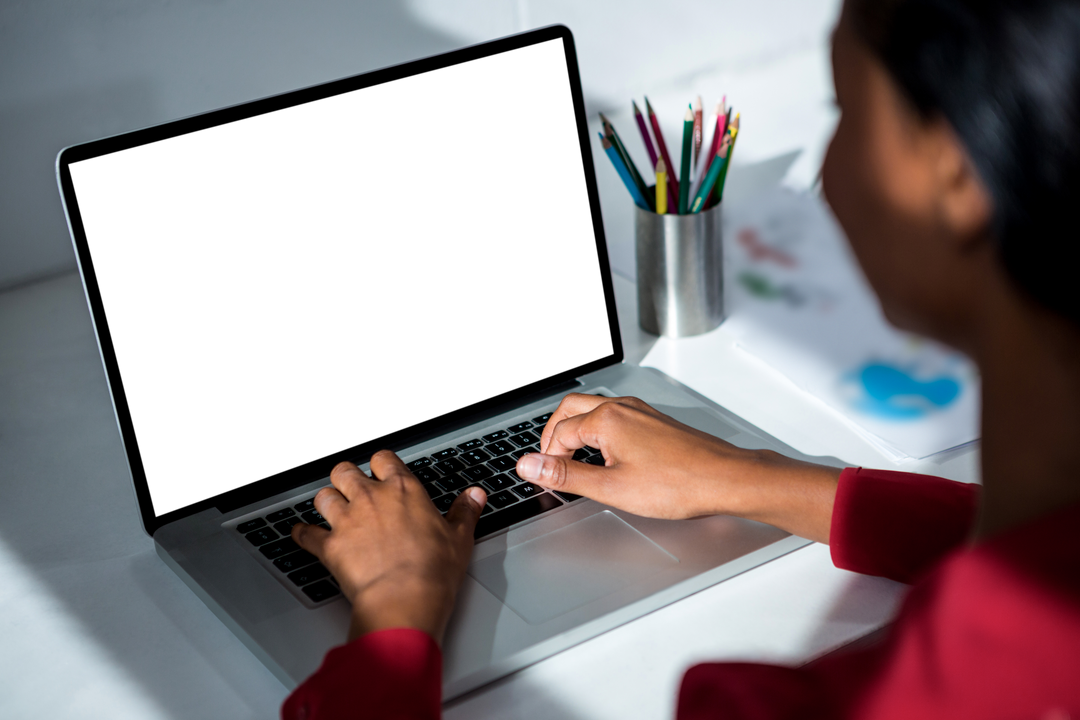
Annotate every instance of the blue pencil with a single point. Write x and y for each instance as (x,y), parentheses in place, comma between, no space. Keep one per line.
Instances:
(620,167)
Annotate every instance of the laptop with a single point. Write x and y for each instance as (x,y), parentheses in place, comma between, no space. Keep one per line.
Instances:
(413,259)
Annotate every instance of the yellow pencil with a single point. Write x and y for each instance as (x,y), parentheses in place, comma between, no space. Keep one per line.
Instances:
(661,187)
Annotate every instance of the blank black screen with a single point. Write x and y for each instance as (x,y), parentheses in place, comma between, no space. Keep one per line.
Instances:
(288,283)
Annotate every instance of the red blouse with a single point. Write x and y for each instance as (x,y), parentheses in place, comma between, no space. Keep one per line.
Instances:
(989,630)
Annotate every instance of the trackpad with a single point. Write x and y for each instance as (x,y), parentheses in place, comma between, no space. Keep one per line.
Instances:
(555,573)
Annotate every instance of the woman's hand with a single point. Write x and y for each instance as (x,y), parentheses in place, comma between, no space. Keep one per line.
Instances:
(396,559)
(657,467)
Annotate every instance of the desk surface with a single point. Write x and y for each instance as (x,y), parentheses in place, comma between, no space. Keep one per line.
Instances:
(94,624)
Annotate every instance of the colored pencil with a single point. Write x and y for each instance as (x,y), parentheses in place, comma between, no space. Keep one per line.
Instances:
(649,148)
(684,172)
(734,132)
(661,187)
(714,145)
(673,183)
(718,163)
(627,160)
(620,168)
(699,132)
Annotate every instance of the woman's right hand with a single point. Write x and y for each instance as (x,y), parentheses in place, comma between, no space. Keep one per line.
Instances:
(657,467)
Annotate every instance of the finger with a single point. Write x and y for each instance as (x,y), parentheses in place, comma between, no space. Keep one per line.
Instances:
(330,503)
(466,509)
(348,479)
(311,538)
(385,465)
(560,473)
(571,405)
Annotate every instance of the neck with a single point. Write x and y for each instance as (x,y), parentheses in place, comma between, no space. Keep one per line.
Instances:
(1030,411)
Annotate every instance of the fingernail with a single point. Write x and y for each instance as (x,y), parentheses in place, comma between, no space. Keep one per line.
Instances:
(478,496)
(529,466)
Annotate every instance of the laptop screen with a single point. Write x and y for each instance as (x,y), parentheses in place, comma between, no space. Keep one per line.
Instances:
(286,286)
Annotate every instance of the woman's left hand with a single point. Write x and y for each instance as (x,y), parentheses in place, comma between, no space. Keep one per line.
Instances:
(396,559)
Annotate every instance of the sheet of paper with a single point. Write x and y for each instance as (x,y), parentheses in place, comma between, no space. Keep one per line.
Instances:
(798,302)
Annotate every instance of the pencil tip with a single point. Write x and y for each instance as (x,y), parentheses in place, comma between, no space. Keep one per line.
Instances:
(648,107)
(689,115)
(634,104)
(661,166)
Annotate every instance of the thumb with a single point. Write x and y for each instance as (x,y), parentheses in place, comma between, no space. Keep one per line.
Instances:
(466,509)
(559,473)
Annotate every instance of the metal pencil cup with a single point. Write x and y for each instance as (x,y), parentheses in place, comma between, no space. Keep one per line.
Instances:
(680,278)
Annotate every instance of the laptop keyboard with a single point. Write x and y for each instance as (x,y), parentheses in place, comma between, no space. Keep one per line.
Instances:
(487,461)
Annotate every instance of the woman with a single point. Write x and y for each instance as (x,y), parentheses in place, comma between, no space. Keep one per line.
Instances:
(953,170)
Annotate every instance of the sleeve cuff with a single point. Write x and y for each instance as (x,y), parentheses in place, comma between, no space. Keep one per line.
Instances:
(390,673)
(897,524)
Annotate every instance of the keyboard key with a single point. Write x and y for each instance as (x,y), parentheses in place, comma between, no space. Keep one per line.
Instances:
(524,439)
(426,474)
(453,481)
(542,420)
(595,460)
(279,548)
(499,482)
(442,504)
(312,517)
(246,527)
(518,454)
(478,472)
(568,497)
(502,499)
(322,590)
(433,490)
(517,513)
(452,465)
(471,444)
(285,525)
(309,574)
(527,490)
(514,476)
(474,457)
(500,447)
(417,464)
(486,511)
(497,435)
(280,515)
(520,427)
(294,561)
(261,536)
(444,454)
(503,463)
(303,507)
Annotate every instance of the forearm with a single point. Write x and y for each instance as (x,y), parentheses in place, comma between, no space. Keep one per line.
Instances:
(789,494)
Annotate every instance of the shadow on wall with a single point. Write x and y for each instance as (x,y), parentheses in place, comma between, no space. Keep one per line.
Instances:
(83,71)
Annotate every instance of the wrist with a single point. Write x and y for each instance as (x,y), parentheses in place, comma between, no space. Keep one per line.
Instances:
(405,603)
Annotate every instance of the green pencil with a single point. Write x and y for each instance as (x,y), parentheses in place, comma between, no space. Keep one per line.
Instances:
(684,173)
(734,130)
(718,164)
(617,143)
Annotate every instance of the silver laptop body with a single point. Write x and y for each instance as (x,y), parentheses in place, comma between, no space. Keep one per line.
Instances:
(414,259)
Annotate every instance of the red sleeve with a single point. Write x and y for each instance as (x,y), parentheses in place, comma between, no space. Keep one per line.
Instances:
(896,524)
(387,674)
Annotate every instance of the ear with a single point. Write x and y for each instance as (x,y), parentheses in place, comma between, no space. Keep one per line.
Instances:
(965,207)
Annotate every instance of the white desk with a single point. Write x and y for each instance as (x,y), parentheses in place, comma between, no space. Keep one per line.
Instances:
(93,624)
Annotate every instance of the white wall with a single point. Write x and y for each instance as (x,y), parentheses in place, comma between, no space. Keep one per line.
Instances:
(74,71)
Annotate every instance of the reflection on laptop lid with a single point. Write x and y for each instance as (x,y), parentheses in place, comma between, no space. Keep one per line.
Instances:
(305,278)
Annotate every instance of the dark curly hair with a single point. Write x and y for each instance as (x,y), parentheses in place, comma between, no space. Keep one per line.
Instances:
(1005,74)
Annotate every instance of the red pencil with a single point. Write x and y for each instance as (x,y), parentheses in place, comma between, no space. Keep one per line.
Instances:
(673,184)
(699,131)
(644,134)
(714,145)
